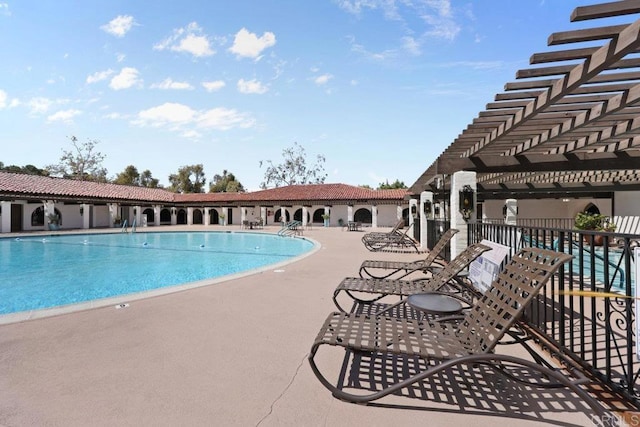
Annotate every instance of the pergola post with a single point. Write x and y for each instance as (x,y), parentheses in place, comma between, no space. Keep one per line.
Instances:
(461,181)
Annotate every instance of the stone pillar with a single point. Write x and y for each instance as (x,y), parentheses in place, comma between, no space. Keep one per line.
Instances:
(137,215)
(243,214)
(458,180)
(426,207)
(398,213)
(283,214)
(206,220)
(511,212)
(327,211)
(5,217)
(374,216)
(223,216)
(350,213)
(413,211)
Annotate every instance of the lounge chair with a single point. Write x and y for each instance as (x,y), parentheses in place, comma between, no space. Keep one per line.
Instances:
(444,345)
(399,269)
(391,242)
(402,288)
(377,234)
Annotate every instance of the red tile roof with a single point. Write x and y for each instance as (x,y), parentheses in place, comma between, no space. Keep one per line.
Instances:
(33,186)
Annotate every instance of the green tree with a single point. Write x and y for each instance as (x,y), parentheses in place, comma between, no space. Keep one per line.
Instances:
(82,162)
(27,169)
(400,185)
(368,187)
(294,170)
(225,183)
(189,179)
(131,176)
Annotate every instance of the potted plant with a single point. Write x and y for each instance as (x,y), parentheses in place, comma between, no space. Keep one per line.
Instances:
(326,217)
(117,220)
(54,221)
(594,222)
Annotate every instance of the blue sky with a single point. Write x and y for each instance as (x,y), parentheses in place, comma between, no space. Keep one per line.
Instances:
(379,87)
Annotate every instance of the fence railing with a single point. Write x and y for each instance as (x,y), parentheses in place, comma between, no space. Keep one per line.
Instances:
(594,329)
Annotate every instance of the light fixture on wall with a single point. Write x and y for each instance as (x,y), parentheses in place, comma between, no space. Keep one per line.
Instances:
(427,207)
(466,202)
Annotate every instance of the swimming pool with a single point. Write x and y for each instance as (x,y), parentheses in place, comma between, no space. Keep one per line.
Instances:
(43,272)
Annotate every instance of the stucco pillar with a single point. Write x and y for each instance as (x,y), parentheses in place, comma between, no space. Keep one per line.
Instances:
(5,217)
(426,208)
(350,213)
(304,216)
(243,215)
(189,216)
(283,214)
(157,209)
(398,213)
(114,212)
(174,215)
(458,180)
(374,216)
(413,211)
(263,215)
(85,212)
(511,212)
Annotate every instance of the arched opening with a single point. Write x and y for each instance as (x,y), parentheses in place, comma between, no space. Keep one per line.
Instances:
(405,216)
(278,216)
(363,215)
(317,216)
(37,217)
(151,216)
(214,217)
(197,216)
(297,216)
(592,209)
(165,216)
(182,216)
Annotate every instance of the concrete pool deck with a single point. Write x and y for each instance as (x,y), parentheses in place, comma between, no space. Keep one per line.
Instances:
(232,354)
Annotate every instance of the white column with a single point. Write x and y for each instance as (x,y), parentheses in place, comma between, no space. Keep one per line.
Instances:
(458,181)
(350,213)
(86,215)
(263,215)
(137,215)
(243,214)
(189,216)
(374,216)
(223,216)
(49,209)
(283,214)
(157,209)
(413,211)
(206,219)
(511,217)
(174,215)
(5,217)
(114,212)
(426,199)
(398,213)
(304,216)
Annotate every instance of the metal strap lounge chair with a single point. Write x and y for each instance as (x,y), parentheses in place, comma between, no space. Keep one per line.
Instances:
(444,345)
(379,269)
(380,234)
(402,288)
(391,242)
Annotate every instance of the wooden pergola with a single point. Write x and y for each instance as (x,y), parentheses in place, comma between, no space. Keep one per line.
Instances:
(568,127)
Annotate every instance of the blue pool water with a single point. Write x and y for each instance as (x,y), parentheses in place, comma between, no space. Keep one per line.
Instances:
(44,272)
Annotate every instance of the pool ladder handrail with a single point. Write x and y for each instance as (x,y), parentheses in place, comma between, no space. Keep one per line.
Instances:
(125,229)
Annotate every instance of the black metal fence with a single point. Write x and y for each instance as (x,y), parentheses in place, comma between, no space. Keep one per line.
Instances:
(590,315)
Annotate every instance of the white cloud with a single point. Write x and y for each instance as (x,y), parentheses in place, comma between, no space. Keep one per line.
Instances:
(120,57)
(4,9)
(224,119)
(99,76)
(249,45)
(323,79)
(39,105)
(251,87)
(63,116)
(168,83)
(190,39)
(169,113)
(411,45)
(184,119)
(119,26)
(127,78)
(213,85)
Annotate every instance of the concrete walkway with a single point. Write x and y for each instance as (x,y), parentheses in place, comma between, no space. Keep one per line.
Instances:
(234,354)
